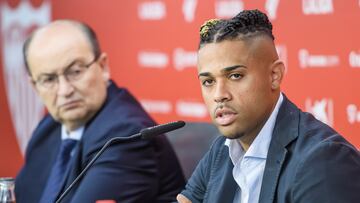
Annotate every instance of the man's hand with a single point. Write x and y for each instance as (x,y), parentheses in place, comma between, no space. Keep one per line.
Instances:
(182,199)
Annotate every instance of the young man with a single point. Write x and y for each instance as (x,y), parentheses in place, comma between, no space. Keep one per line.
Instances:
(86,109)
(271,151)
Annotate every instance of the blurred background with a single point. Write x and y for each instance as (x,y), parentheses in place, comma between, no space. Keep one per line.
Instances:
(152,47)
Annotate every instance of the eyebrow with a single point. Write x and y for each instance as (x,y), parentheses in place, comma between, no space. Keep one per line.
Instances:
(224,70)
(65,69)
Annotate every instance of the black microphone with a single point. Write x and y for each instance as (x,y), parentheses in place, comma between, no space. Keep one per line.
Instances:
(146,133)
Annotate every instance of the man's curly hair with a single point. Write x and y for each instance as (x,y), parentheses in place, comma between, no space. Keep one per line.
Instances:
(246,24)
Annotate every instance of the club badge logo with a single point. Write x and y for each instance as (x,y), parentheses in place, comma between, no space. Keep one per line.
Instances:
(25,107)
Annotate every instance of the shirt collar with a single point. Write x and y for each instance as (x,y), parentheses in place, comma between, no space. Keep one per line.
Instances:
(76,134)
(236,152)
(260,146)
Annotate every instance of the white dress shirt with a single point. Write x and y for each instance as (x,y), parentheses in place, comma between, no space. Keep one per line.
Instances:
(75,135)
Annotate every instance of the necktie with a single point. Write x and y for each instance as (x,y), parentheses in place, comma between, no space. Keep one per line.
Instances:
(55,180)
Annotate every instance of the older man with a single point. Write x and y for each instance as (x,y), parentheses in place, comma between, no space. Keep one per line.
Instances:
(70,74)
(271,151)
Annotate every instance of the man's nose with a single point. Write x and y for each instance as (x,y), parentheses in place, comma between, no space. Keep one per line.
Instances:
(222,92)
(65,88)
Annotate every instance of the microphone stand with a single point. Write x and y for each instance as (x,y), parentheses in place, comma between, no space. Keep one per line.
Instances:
(108,143)
(146,133)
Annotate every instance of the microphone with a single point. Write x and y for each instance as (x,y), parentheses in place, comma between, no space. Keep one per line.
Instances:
(151,132)
(146,133)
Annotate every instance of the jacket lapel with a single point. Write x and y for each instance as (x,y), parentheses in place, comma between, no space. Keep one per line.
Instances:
(227,186)
(46,141)
(285,131)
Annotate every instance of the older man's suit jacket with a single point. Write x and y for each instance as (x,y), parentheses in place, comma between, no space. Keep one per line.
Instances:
(307,162)
(136,171)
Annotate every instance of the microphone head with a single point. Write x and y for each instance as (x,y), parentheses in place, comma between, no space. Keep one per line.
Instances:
(150,132)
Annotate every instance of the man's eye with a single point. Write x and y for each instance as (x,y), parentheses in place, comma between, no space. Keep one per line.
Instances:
(207,82)
(47,80)
(235,76)
(74,72)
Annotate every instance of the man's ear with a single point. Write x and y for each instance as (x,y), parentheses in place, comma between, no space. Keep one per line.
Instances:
(277,74)
(103,62)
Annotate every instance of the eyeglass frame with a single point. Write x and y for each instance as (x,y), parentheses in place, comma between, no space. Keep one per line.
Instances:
(66,73)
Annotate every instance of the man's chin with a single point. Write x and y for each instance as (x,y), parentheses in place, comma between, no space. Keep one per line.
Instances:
(229,133)
(233,136)
(72,116)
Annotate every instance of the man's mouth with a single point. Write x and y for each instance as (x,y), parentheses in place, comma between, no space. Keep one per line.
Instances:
(69,105)
(225,116)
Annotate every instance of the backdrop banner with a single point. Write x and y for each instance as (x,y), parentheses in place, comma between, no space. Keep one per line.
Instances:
(152,46)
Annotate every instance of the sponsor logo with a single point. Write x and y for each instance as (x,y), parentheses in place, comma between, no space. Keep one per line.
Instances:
(322,109)
(317,61)
(184,59)
(191,109)
(228,8)
(188,9)
(271,7)
(354,59)
(282,52)
(25,106)
(317,7)
(353,114)
(157,106)
(152,10)
(153,59)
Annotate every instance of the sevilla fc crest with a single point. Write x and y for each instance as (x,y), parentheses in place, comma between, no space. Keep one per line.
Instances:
(16,25)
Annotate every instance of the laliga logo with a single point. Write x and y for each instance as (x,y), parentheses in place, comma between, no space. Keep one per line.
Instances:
(228,8)
(153,59)
(152,10)
(156,106)
(271,7)
(191,109)
(25,107)
(353,114)
(184,59)
(317,7)
(183,108)
(307,60)
(354,59)
(188,9)
(322,109)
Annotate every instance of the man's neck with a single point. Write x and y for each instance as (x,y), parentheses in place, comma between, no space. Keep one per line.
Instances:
(247,139)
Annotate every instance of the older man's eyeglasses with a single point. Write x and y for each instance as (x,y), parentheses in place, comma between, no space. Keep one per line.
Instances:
(73,73)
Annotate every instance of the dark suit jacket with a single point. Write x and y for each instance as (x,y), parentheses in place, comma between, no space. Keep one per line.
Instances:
(136,171)
(308,162)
